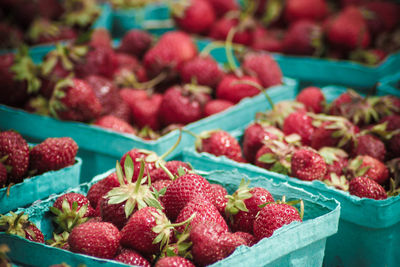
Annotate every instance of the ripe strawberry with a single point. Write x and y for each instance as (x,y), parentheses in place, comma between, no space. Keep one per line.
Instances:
(102,187)
(144,107)
(349,30)
(10,36)
(369,167)
(249,238)
(381,16)
(100,37)
(74,99)
(275,156)
(263,67)
(14,154)
(43,31)
(219,143)
(363,186)
(159,185)
(203,69)
(219,193)
(297,10)
(222,27)
(50,9)
(116,124)
(271,41)
(53,154)
(212,243)
(136,43)
(196,17)
(18,224)
(184,189)
(136,155)
(216,106)
(100,61)
(221,7)
(308,165)
(272,217)
(303,38)
(369,145)
(131,257)
(244,205)
(253,138)
(3,175)
(300,123)
(230,88)
(173,167)
(394,145)
(335,159)
(126,61)
(393,122)
(312,98)
(174,261)
(98,239)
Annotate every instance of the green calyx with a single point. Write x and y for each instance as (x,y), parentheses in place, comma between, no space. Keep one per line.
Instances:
(127,4)
(280,157)
(55,103)
(58,240)
(43,27)
(182,246)
(147,133)
(355,166)
(273,11)
(277,115)
(69,216)
(16,224)
(80,13)
(25,70)
(339,182)
(332,154)
(394,168)
(236,201)
(292,203)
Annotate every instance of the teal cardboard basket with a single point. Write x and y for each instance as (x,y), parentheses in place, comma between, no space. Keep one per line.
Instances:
(297,244)
(369,230)
(390,85)
(40,187)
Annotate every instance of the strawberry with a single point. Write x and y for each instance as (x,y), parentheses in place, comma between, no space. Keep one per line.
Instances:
(44,31)
(98,239)
(114,123)
(249,238)
(230,88)
(335,159)
(203,69)
(184,189)
(300,123)
(271,41)
(137,155)
(10,36)
(136,43)
(219,193)
(102,187)
(365,187)
(275,156)
(174,261)
(369,167)
(144,107)
(243,206)
(221,7)
(394,145)
(71,210)
(349,30)
(53,154)
(381,16)
(264,68)
(303,38)
(3,175)
(253,138)
(18,224)
(312,98)
(212,243)
(131,257)
(14,155)
(100,61)
(308,165)
(393,122)
(369,145)
(196,16)
(297,10)
(206,213)
(180,106)
(173,167)
(51,9)
(126,61)
(100,37)
(159,185)
(223,26)
(74,99)
(216,106)
(219,143)
(272,217)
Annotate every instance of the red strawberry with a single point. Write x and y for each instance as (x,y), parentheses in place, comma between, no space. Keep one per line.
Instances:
(100,38)
(296,10)
(271,41)
(272,217)
(197,17)
(232,90)
(160,184)
(215,106)
(263,67)
(131,257)
(144,107)
(3,175)
(221,7)
(100,61)
(182,190)
(381,16)
(127,61)
(18,224)
(244,205)
(300,123)
(203,69)
(50,9)
(98,239)
(393,122)
(222,27)
(101,188)
(219,143)
(335,159)
(308,165)
(369,167)
(349,30)
(136,156)
(53,154)
(172,166)
(212,243)
(394,145)
(312,98)
(116,124)
(369,145)
(249,238)
(10,36)
(74,99)
(174,261)
(136,43)
(365,187)
(219,193)
(14,154)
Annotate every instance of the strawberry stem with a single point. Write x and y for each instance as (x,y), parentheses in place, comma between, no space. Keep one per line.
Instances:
(163,156)
(260,88)
(229,50)
(215,45)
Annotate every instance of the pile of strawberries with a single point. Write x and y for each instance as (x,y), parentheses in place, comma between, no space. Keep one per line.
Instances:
(145,87)
(361,30)
(128,4)
(155,212)
(18,161)
(352,144)
(44,21)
